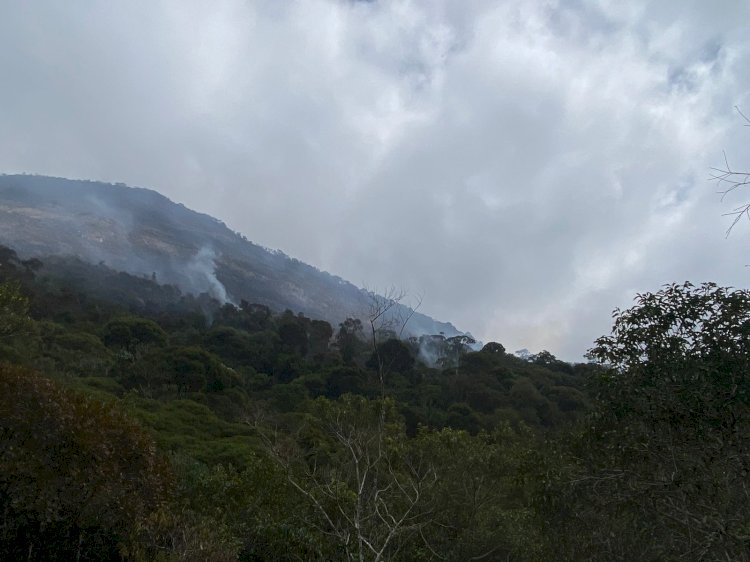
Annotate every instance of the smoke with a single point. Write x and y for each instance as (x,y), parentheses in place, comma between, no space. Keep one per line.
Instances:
(200,272)
(431,350)
(439,351)
(524,354)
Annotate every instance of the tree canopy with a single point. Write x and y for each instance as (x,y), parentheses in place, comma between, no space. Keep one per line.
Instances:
(188,429)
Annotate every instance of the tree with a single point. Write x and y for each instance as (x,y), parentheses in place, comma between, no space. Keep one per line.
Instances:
(14,311)
(479,512)
(731,179)
(493,348)
(238,348)
(660,472)
(133,334)
(367,490)
(349,339)
(259,315)
(321,333)
(387,324)
(545,359)
(455,347)
(76,475)
(392,355)
(13,268)
(293,334)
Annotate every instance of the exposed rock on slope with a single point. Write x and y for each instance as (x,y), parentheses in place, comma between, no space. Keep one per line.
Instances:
(140,231)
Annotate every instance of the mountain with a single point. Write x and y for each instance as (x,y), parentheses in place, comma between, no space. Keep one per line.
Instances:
(142,232)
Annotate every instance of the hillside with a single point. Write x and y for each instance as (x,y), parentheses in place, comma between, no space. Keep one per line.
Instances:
(142,232)
(140,424)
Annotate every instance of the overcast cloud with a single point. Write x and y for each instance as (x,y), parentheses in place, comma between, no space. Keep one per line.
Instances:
(526,166)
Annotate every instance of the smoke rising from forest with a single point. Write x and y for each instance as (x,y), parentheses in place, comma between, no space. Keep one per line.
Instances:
(201,275)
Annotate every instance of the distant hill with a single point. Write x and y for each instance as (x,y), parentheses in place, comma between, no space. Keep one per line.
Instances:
(142,232)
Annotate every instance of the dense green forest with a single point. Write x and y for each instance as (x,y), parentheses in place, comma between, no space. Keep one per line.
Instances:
(139,423)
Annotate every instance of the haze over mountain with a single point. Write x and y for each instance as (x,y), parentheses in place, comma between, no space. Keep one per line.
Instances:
(140,231)
(527,166)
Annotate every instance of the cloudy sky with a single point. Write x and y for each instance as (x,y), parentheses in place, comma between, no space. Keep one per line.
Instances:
(526,166)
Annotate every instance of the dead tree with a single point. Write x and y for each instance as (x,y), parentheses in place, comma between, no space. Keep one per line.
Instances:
(370,494)
(383,319)
(730,180)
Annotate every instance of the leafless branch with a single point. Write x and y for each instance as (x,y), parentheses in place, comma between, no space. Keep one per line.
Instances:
(729,180)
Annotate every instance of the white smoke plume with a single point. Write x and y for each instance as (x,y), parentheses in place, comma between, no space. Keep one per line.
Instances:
(201,272)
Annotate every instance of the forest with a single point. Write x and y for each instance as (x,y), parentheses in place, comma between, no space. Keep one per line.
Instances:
(140,423)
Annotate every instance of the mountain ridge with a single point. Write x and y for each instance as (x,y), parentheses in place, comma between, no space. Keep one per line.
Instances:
(141,231)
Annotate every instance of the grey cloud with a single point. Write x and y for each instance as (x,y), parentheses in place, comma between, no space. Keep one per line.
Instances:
(527,166)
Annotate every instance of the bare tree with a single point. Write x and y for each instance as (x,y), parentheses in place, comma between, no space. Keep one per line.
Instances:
(386,316)
(729,180)
(370,494)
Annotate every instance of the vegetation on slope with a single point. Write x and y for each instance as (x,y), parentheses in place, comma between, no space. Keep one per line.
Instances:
(139,423)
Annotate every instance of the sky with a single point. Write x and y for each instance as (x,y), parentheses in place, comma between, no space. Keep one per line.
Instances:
(523,166)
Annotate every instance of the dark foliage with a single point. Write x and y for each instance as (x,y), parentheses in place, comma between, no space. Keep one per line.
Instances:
(139,423)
